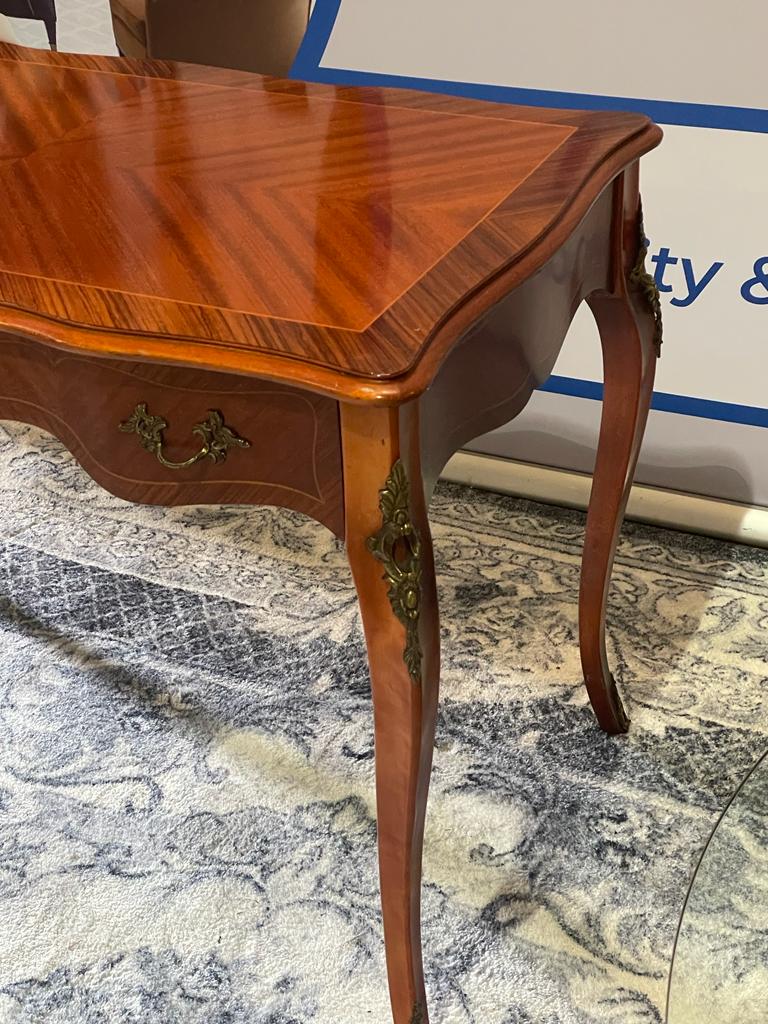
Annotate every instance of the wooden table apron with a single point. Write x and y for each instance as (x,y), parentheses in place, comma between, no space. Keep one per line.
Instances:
(169,420)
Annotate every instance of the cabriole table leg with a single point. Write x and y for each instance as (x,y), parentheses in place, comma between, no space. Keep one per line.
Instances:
(390,552)
(629,320)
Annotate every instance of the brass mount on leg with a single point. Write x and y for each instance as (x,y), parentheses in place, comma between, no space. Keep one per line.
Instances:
(398,547)
(646,283)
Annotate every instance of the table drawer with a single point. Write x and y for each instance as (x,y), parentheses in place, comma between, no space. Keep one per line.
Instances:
(170,435)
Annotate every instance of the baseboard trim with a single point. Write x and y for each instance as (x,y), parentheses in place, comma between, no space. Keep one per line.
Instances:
(746,524)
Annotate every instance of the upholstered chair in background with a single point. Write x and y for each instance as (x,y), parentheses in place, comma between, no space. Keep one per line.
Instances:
(252,35)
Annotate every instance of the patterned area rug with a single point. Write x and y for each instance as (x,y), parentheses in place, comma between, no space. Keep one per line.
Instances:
(720,967)
(186,796)
(84,26)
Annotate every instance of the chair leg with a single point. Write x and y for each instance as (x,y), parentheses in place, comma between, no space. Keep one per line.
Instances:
(630,324)
(51,28)
(390,552)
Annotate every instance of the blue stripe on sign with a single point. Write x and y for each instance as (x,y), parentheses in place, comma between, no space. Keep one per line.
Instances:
(695,115)
(728,412)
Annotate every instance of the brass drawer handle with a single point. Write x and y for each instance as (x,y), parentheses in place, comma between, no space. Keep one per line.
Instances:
(216,437)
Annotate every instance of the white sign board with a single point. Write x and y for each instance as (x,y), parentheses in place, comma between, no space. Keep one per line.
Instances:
(701,72)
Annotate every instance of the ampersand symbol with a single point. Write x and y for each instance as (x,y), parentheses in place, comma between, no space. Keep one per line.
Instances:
(760,280)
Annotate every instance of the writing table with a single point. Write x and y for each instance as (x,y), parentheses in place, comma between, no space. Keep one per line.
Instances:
(217,287)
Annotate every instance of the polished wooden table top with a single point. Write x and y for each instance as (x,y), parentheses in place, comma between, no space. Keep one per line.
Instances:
(325,236)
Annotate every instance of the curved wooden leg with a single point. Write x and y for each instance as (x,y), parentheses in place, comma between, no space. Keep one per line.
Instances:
(388,536)
(629,361)
(629,324)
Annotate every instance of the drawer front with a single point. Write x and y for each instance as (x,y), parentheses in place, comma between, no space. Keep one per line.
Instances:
(173,436)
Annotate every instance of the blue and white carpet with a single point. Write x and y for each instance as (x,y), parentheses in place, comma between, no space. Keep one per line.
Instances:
(84,26)
(720,967)
(187,831)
